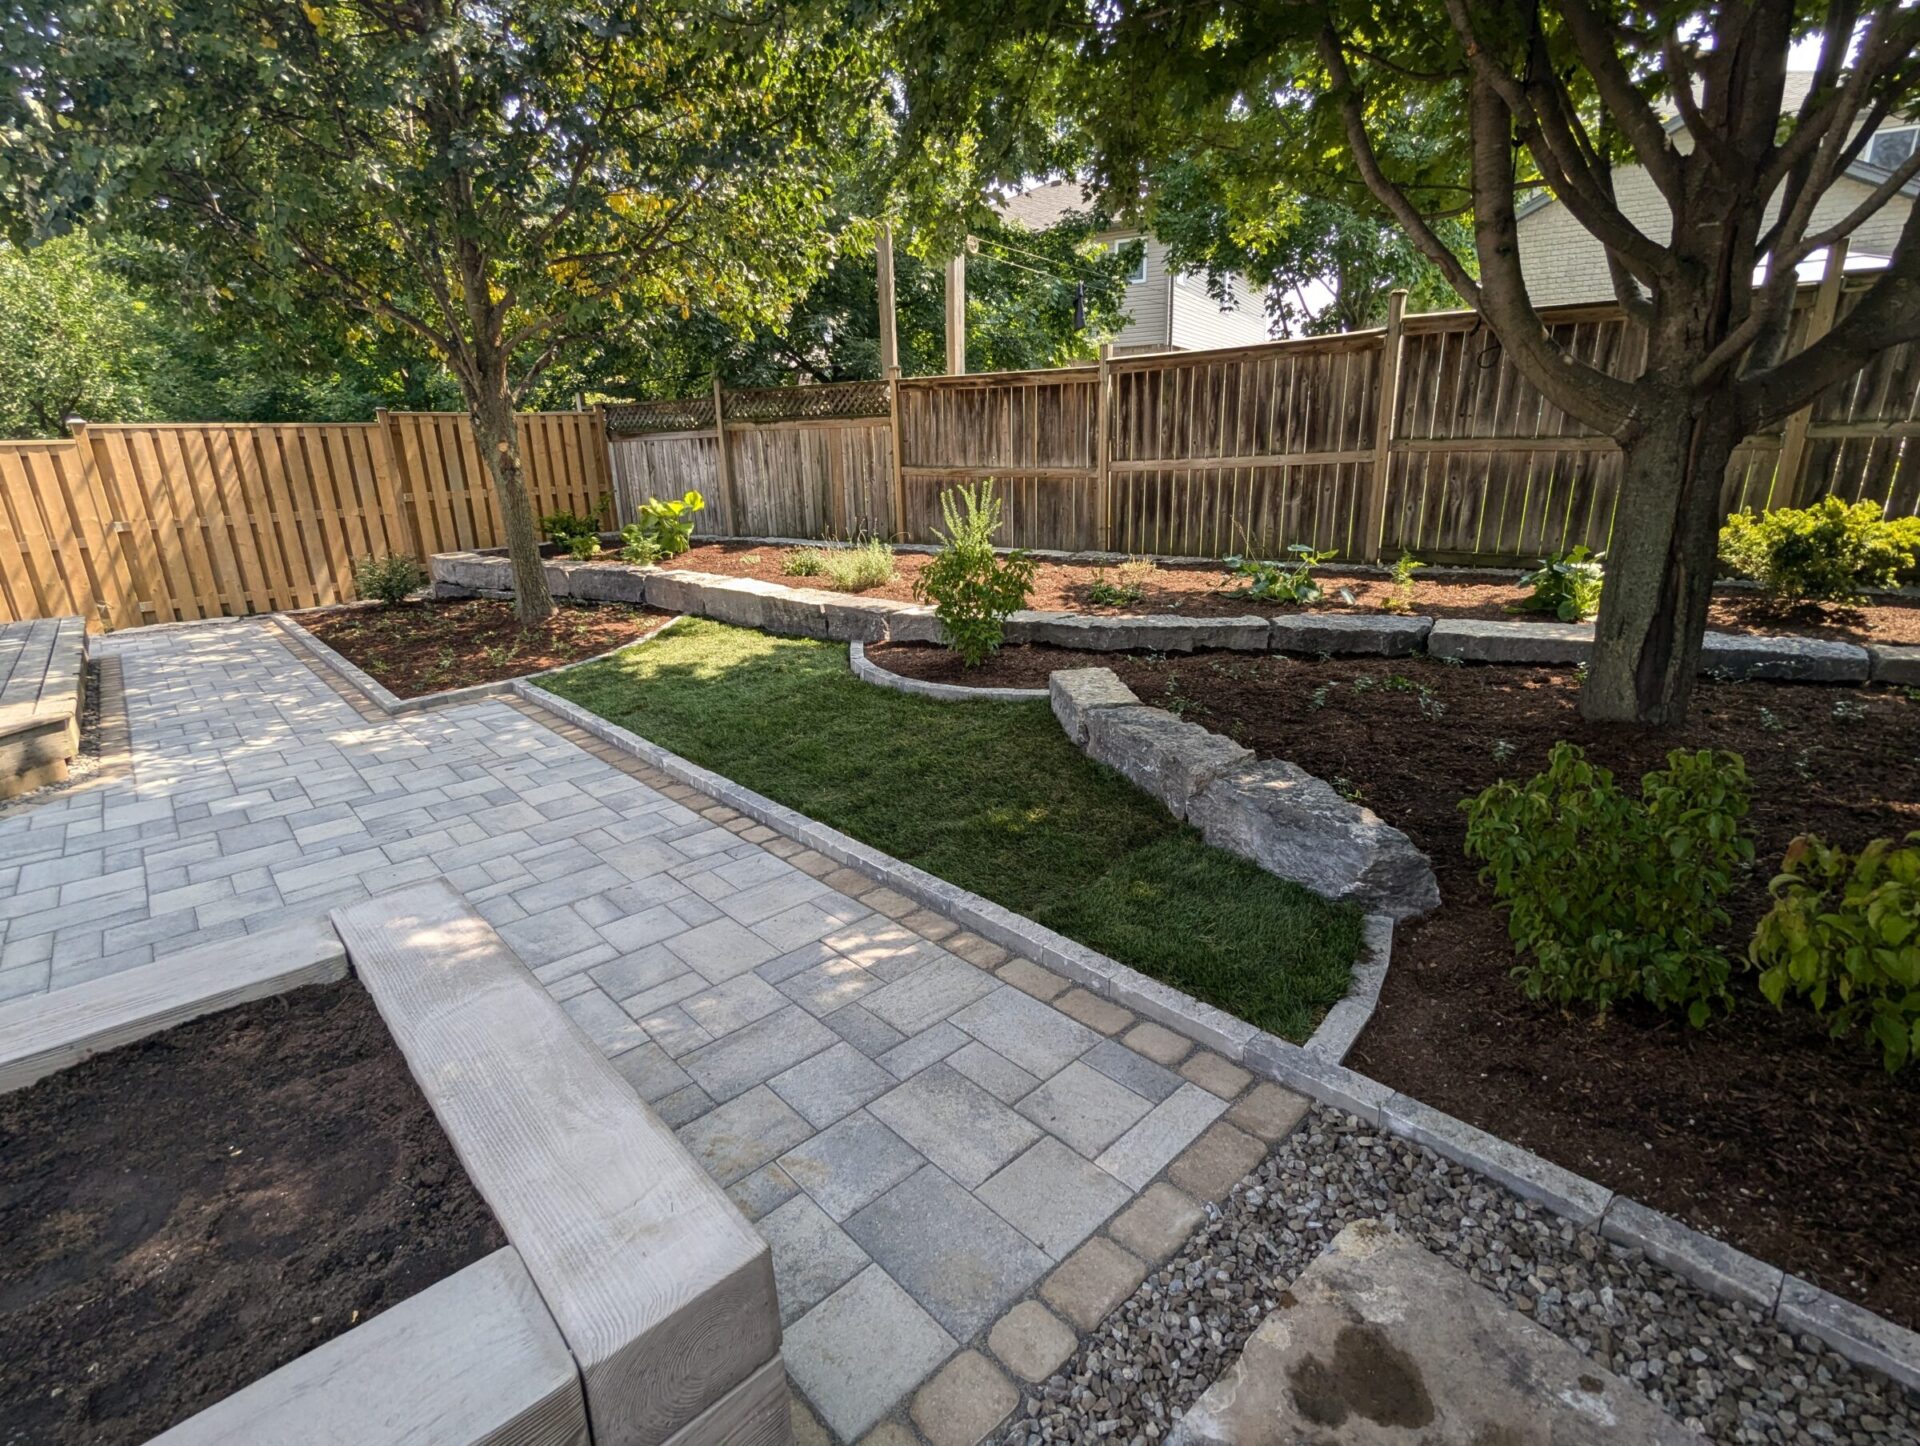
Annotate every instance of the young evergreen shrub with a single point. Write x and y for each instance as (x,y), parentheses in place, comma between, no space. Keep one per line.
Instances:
(1844,935)
(858,567)
(972,590)
(1830,551)
(388,580)
(1613,897)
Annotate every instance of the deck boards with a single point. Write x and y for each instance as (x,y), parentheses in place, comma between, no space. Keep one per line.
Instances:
(42,687)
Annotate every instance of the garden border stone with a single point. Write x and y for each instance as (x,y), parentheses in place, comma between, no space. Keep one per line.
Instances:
(1894,662)
(1709,1263)
(1481,640)
(1349,634)
(1856,1334)
(1804,660)
(951,692)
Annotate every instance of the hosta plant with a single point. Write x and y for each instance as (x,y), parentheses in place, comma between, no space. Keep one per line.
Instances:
(1281,582)
(1566,584)
(668,521)
(1844,935)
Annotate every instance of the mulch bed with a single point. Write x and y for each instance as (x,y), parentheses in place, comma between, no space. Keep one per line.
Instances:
(430,647)
(1197,591)
(186,1214)
(1797,1148)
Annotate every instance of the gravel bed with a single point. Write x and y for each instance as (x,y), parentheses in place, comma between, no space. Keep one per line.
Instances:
(1716,1365)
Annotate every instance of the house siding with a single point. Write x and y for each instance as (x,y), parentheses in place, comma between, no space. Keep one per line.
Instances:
(1195,319)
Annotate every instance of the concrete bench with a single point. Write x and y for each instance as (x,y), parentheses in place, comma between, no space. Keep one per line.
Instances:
(43,670)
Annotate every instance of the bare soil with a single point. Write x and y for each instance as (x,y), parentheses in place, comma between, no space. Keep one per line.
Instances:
(1201,591)
(1758,1129)
(186,1214)
(431,647)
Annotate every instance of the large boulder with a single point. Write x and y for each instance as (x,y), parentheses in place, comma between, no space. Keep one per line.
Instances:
(1296,826)
(1169,759)
(1895,662)
(619,582)
(1076,692)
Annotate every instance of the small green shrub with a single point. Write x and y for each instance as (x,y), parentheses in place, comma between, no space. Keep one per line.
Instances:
(804,562)
(563,527)
(1104,594)
(1844,934)
(585,546)
(972,590)
(1401,600)
(1613,897)
(1827,552)
(858,567)
(668,521)
(638,548)
(388,580)
(1280,582)
(1566,584)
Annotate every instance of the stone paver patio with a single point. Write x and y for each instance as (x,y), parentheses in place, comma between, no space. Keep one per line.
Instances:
(932,1136)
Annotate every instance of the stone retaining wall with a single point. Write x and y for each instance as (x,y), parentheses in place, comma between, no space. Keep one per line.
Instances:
(842,617)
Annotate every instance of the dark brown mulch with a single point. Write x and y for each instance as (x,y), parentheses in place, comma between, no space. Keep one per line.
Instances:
(1201,591)
(430,647)
(1795,1147)
(184,1215)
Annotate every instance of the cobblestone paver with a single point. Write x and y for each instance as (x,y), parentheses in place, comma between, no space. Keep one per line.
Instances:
(925,1140)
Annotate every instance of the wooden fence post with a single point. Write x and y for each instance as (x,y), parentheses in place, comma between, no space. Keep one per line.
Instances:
(391,478)
(736,523)
(620,519)
(1374,521)
(900,528)
(1103,447)
(1789,478)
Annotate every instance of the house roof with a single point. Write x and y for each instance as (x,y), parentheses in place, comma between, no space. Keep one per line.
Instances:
(1044,206)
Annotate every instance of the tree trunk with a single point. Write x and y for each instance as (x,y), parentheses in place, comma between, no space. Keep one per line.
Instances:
(497,432)
(1646,648)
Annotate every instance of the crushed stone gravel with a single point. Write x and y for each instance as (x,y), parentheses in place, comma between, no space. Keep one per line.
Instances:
(1718,1366)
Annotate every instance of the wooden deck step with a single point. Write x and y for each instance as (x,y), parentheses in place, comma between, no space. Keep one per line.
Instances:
(43,672)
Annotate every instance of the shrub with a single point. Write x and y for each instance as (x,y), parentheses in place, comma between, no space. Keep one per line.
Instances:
(585,546)
(972,590)
(859,566)
(1402,599)
(636,547)
(1567,584)
(804,562)
(563,527)
(1281,582)
(1844,934)
(1128,587)
(1827,552)
(1614,897)
(668,521)
(388,580)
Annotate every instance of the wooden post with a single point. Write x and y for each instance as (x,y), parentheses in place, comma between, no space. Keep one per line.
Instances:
(723,462)
(1789,480)
(1102,446)
(1375,518)
(900,528)
(391,481)
(889,332)
(957,316)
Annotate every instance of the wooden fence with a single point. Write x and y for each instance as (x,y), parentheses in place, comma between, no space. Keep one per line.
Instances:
(1419,436)
(148,523)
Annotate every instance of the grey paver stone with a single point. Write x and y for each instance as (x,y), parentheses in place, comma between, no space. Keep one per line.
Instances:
(651,1072)
(1216,1162)
(604,1022)
(1138,1073)
(862,1349)
(812,1256)
(1093,1011)
(766,1189)
(850,1164)
(738,1137)
(913,1055)
(805,923)
(872,1037)
(831,984)
(1093,1280)
(994,1073)
(672,1028)
(1035,1036)
(1031,1341)
(1085,1108)
(965,1402)
(794,961)
(951,1253)
(775,896)
(1158,1043)
(884,947)
(1158,1223)
(1167,1129)
(634,973)
(1215,1074)
(683,1106)
(757,1052)
(954,1123)
(541,938)
(730,1006)
(1053,1196)
(831,1084)
(929,994)
(721,949)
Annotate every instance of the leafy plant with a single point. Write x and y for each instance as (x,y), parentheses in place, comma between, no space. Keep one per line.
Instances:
(1830,551)
(585,546)
(1104,594)
(1281,582)
(388,580)
(1567,584)
(563,527)
(1844,934)
(638,548)
(971,588)
(1614,897)
(804,562)
(1402,599)
(668,521)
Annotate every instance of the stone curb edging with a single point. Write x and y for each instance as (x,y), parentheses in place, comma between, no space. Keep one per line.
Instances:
(952,692)
(1315,1070)
(845,617)
(394,706)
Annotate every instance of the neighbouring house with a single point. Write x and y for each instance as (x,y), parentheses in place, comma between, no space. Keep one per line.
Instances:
(1565,264)
(1167,310)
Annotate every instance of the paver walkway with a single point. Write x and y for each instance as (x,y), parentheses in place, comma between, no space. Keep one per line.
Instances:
(922,1137)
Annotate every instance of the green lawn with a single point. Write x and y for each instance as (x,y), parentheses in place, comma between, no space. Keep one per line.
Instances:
(990,796)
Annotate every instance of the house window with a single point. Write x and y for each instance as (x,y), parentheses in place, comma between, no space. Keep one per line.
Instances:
(1139,272)
(1889,148)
